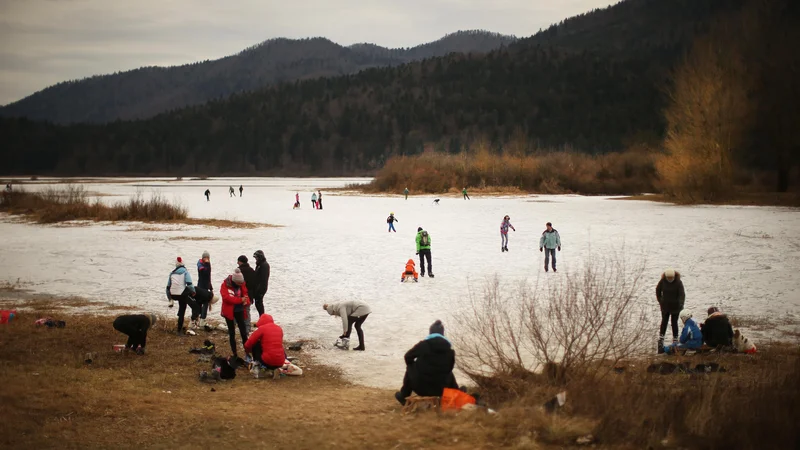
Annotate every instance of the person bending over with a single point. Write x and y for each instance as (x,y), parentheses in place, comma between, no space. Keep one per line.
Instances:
(352,312)
(135,326)
(265,345)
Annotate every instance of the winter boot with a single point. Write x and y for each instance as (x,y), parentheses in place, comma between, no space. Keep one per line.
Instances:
(430,274)
(202,323)
(661,345)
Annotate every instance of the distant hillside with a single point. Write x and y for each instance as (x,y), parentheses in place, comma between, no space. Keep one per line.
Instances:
(148,91)
(594,83)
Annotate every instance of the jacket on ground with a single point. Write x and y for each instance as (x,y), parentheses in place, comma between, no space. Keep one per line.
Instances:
(423,247)
(262,278)
(717,330)
(430,364)
(350,308)
(204,275)
(411,269)
(231,295)
(270,336)
(691,336)
(671,296)
(550,239)
(182,280)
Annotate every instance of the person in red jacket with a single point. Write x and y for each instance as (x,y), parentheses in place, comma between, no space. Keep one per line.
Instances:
(266,344)
(234,301)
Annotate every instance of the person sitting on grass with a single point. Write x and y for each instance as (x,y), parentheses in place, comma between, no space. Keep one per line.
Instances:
(265,345)
(135,326)
(410,271)
(691,336)
(717,330)
(429,366)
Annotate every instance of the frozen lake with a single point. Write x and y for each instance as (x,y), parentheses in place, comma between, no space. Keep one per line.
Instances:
(741,258)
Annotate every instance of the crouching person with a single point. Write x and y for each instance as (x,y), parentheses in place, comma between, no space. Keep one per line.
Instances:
(429,366)
(691,336)
(717,330)
(265,345)
(135,326)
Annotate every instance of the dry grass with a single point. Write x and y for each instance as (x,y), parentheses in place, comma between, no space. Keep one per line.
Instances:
(787,199)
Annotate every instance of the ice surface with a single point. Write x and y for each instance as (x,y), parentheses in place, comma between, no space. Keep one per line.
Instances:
(742,258)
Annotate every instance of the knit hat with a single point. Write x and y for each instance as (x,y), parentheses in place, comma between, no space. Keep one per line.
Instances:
(419,229)
(437,328)
(685,315)
(179,262)
(237,277)
(206,255)
(669,273)
(153,319)
(712,310)
(242,259)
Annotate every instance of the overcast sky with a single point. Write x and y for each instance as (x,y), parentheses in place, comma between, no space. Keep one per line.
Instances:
(43,42)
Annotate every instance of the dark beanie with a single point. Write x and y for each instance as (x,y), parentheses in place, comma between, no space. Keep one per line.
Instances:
(242,259)
(419,229)
(437,328)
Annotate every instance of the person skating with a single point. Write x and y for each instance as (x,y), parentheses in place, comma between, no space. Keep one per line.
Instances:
(313,200)
(671,296)
(262,280)
(424,251)
(352,312)
(504,226)
(231,192)
(691,336)
(391,220)
(319,200)
(234,302)
(409,271)
(405,192)
(241,189)
(466,196)
(717,329)
(265,345)
(296,200)
(204,282)
(135,326)
(250,281)
(208,195)
(429,366)
(549,242)
(180,288)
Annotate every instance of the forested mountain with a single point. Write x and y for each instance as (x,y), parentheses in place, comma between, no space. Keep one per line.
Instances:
(593,82)
(148,91)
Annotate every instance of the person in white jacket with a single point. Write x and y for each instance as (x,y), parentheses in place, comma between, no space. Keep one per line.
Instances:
(352,312)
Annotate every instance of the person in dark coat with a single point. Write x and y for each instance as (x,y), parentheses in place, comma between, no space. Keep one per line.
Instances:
(262,281)
(670,296)
(717,329)
(135,326)
(204,282)
(207,193)
(250,281)
(429,366)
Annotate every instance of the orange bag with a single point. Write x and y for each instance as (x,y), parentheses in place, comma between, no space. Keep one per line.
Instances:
(454,400)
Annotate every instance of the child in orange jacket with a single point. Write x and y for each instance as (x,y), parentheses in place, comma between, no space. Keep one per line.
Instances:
(410,270)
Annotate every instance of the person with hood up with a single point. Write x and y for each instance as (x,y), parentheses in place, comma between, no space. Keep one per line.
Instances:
(410,271)
(429,366)
(717,330)
(424,251)
(352,312)
(234,301)
(204,282)
(549,242)
(262,281)
(180,288)
(250,281)
(391,220)
(504,226)
(691,336)
(671,297)
(207,193)
(265,345)
(135,326)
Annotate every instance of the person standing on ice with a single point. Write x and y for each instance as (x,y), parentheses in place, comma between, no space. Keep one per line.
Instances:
(262,280)
(549,242)
(352,312)
(231,192)
(241,189)
(464,191)
(204,282)
(424,251)
(297,199)
(670,296)
(180,288)
(391,220)
(504,226)
(319,200)
(313,200)
(234,302)
(405,192)
(208,195)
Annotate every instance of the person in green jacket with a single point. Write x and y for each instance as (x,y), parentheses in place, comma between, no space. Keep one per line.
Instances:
(464,191)
(549,242)
(405,192)
(424,251)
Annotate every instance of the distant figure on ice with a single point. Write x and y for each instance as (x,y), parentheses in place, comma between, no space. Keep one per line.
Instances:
(231,192)
(464,191)
(549,242)
(424,251)
(670,296)
(717,330)
(410,271)
(135,326)
(204,282)
(208,195)
(691,336)
(241,189)
(405,192)
(504,226)
(319,200)
(296,200)
(180,288)
(352,312)
(313,200)
(429,366)
(391,220)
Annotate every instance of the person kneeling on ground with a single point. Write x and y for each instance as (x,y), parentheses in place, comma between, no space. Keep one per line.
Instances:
(691,336)
(353,312)
(410,271)
(265,345)
(135,326)
(717,330)
(429,366)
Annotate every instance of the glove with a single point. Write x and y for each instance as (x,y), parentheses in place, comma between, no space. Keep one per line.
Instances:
(417,253)
(559,248)
(171,303)
(540,249)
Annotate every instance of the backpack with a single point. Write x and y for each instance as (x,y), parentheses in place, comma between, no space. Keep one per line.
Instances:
(424,240)
(389,219)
